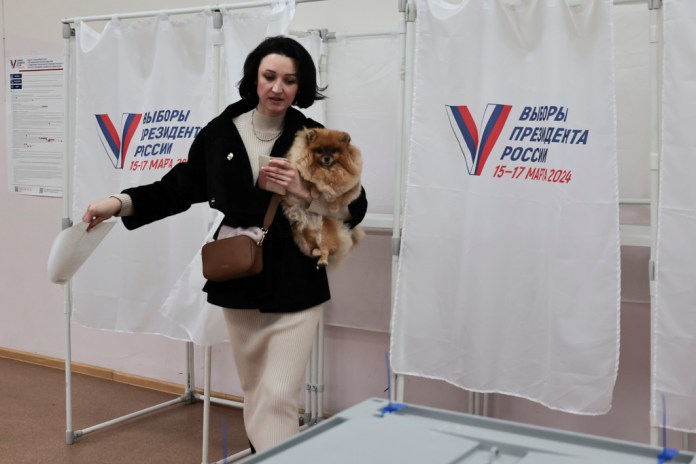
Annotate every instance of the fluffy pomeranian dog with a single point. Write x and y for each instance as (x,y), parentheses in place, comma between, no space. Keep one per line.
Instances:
(331,167)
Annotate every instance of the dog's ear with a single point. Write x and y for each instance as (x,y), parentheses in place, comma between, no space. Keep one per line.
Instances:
(310,134)
(345,137)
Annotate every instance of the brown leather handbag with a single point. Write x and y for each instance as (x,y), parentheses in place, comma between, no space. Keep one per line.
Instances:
(239,256)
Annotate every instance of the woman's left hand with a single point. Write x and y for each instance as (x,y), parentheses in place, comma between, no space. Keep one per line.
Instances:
(282,173)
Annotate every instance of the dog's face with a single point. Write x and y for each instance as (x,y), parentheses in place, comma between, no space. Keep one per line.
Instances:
(327,147)
(325,157)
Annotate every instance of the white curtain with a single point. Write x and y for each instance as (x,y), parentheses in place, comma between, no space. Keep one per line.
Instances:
(509,266)
(153,77)
(674,322)
(364,94)
(143,91)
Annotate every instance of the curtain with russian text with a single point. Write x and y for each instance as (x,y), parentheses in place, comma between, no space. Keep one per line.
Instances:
(144,90)
(509,272)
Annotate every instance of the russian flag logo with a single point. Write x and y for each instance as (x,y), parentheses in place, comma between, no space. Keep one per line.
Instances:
(115,144)
(474,148)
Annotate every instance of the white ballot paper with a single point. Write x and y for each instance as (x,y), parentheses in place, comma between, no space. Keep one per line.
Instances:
(72,247)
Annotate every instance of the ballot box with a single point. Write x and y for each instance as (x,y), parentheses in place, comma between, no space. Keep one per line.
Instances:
(376,431)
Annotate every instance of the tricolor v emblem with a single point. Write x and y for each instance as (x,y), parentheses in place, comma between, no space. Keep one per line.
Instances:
(475,150)
(117,147)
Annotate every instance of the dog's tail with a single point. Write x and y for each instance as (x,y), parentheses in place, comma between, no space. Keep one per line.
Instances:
(349,238)
(357,234)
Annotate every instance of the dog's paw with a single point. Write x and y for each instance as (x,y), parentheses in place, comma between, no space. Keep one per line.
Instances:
(323,258)
(316,252)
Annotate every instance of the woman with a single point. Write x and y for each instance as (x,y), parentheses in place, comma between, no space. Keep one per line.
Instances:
(271,317)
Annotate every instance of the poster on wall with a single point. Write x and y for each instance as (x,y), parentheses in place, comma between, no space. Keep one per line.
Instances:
(35,110)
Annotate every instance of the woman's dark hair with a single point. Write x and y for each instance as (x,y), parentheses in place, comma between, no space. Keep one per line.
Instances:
(307,92)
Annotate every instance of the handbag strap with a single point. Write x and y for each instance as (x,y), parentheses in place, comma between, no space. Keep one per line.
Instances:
(271,211)
(268,218)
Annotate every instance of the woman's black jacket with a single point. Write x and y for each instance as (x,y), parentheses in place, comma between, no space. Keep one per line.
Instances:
(218,171)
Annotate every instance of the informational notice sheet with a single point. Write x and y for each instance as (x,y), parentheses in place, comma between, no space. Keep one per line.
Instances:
(35,122)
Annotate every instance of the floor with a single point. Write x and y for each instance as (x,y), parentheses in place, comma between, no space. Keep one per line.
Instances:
(33,421)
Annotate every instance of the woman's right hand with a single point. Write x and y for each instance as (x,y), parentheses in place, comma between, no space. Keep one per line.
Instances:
(101,210)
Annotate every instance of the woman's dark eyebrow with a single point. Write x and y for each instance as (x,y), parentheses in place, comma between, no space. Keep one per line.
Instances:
(273,72)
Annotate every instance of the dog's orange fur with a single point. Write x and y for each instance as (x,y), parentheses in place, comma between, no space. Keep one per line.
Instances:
(331,167)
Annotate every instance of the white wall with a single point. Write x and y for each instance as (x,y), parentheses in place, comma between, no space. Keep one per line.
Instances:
(32,309)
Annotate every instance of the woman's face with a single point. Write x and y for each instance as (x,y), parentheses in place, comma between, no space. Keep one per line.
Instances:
(276,84)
